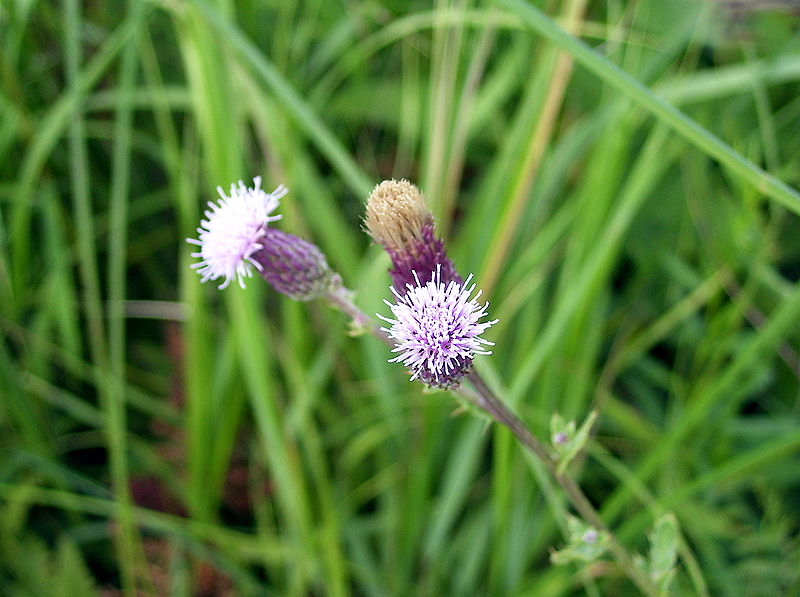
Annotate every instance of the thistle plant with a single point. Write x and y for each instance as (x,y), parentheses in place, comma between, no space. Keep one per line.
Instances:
(232,232)
(435,329)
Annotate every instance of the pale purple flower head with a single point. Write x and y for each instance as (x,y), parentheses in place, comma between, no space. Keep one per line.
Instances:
(437,329)
(233,230)
(235,237)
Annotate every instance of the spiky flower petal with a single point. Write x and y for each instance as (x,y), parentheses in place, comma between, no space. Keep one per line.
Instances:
(436,329)
(232,232)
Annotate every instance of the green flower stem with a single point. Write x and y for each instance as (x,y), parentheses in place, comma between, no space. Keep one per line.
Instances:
(482,397)
(341,297)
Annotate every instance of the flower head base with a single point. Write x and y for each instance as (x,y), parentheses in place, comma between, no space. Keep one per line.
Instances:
(437,329)
(293,266)
(233,231)
(399,220)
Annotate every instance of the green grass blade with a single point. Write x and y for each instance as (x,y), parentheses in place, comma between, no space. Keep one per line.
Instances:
(664,112)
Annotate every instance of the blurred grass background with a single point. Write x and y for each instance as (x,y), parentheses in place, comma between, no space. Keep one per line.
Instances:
(160,437)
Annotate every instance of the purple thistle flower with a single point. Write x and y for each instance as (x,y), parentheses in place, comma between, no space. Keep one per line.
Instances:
(437,329)
(233,230)
(235,237)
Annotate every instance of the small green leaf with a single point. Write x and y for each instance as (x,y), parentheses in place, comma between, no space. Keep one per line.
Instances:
(663,550)
(561,432)
(567,442)
(586,544)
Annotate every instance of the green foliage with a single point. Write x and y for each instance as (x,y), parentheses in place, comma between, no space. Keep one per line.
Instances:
(627,203)
(664,551)
(61,573)
(585,544)
(567,440)
(28,567)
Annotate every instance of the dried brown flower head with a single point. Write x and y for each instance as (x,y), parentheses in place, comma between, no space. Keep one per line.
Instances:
(399,220)
(396,214)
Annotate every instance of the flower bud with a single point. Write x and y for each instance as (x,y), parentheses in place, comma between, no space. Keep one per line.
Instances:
(292,266)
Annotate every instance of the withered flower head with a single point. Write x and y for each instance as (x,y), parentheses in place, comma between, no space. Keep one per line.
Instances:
(396,214)
(398,219)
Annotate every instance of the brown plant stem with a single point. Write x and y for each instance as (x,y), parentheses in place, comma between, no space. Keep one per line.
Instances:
(487,401)
(491,404)
(342,298)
